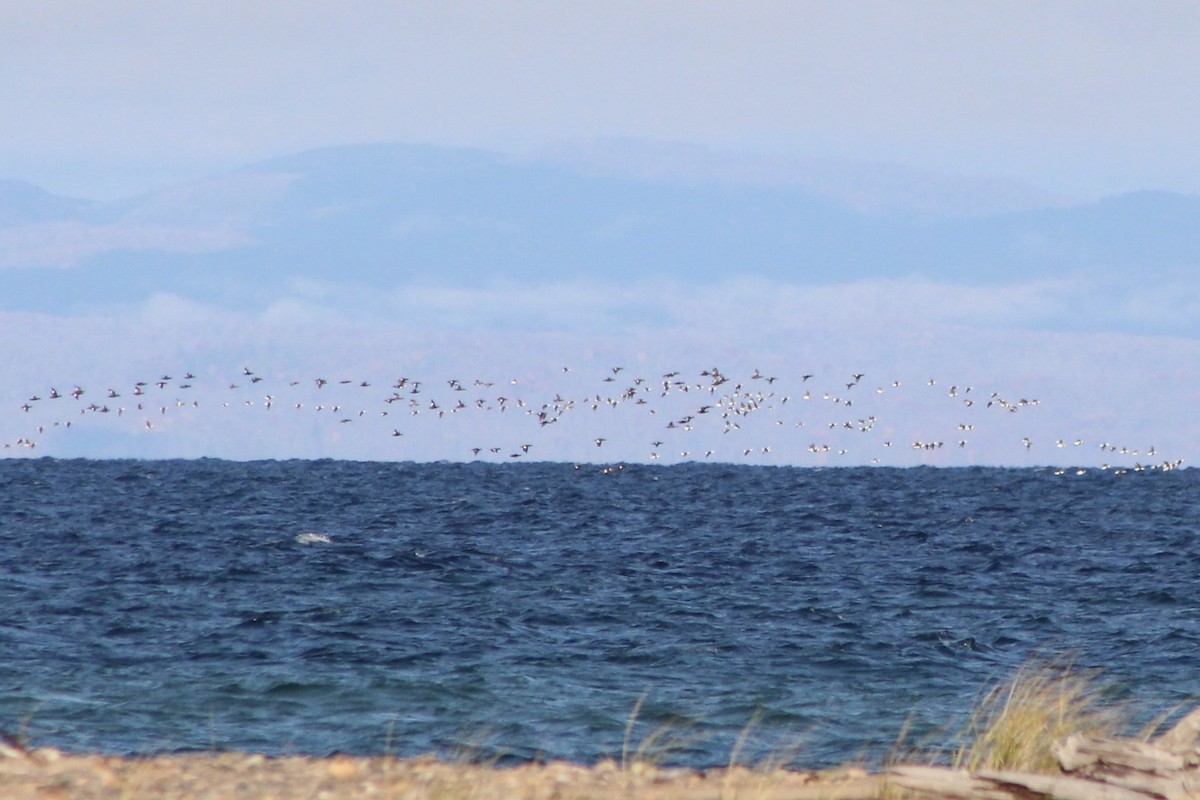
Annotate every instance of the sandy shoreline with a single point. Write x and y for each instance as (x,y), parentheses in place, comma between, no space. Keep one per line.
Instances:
(48,774)
(1039,747)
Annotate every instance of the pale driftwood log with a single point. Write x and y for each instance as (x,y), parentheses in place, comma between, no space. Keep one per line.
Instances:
(1184,736)
(1140,766)
(1062,787)
(948,784)
(1079,753)
(1167,768)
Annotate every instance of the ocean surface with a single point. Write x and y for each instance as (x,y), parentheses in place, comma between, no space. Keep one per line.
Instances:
(524,611)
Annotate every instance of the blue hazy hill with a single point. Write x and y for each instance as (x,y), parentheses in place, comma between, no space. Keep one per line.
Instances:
(381,216)
(23,203)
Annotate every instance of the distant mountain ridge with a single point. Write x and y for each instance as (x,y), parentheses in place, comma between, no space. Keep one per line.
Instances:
(869,187)
(23,203)
(386,215)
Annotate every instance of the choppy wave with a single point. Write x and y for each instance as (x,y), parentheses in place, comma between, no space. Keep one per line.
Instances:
(526,608)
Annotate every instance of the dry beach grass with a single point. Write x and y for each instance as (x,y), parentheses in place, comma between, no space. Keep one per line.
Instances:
(1015,724)
(1011,730)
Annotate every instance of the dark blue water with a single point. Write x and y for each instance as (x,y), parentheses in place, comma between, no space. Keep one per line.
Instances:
(524,609)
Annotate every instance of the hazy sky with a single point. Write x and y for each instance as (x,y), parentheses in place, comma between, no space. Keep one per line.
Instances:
(1084,98)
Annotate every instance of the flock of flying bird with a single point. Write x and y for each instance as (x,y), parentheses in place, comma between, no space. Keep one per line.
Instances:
(845,417)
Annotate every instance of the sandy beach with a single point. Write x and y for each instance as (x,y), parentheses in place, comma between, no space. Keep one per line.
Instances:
(1083,767)
(48,774)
